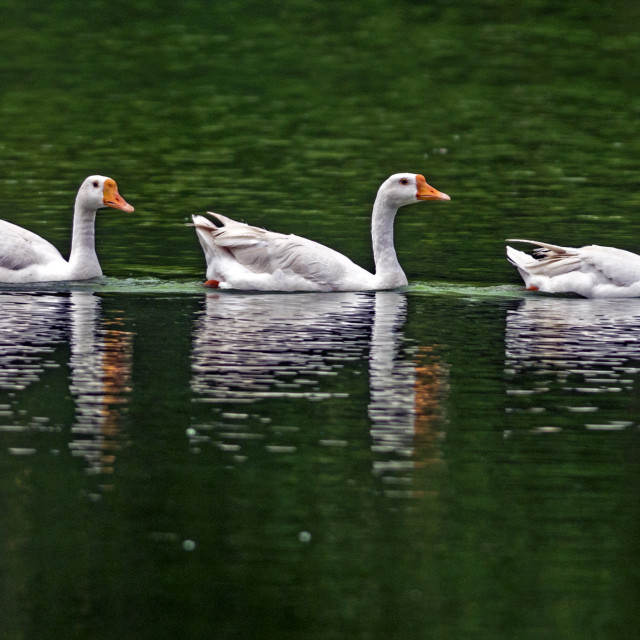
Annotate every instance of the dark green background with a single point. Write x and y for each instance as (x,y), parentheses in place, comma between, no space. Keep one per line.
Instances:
(175,464)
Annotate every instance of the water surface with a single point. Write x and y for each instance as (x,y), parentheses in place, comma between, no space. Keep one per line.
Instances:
(454,460)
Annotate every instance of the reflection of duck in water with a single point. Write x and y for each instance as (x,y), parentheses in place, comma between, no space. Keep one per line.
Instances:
(249,348)
(31,326)
(405,407)
(560,331)
(32,329)
(574,347)
(430,388)
(100,374)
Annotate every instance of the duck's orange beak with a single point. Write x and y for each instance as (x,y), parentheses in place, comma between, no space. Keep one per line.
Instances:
(112,198)
(427,192)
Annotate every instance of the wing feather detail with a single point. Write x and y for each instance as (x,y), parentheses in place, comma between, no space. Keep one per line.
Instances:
(20,248)
(267,252)
(607,264)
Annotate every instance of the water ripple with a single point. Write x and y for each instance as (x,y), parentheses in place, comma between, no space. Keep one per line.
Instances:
(572,354)
(30,329)
(295,349)
(65,331)
(253,347)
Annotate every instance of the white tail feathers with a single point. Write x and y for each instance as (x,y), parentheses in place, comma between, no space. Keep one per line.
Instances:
(545,245)
(554,261)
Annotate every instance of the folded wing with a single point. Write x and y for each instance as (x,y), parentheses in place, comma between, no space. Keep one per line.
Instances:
(21,249)
(267,252)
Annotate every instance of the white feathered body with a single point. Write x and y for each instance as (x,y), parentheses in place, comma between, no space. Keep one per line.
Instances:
(27,257)
(240,256)
(591,271)
(253,258)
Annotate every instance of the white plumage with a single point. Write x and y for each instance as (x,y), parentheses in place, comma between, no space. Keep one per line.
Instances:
(591,271)
(26,257)
(240,256)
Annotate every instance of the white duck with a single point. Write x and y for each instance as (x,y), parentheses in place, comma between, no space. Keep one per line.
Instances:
(240,256)
(592,271)
(26,257)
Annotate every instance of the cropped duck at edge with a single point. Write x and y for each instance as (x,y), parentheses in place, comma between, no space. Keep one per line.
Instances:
(240,256)
(26,257)
(592,271)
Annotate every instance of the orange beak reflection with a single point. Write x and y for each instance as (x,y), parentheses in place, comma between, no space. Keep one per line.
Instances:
(111,197)
(427,192)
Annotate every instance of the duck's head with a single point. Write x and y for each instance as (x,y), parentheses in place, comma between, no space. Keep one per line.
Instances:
(406,188)
(97,192)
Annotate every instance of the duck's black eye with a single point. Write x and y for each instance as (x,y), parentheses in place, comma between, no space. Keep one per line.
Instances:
(404,181)
(95,184)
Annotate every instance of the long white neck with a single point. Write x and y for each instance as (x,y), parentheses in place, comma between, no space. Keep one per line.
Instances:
(83,261)
(389,273)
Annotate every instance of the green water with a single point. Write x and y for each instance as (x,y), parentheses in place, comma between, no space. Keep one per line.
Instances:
(457,460)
